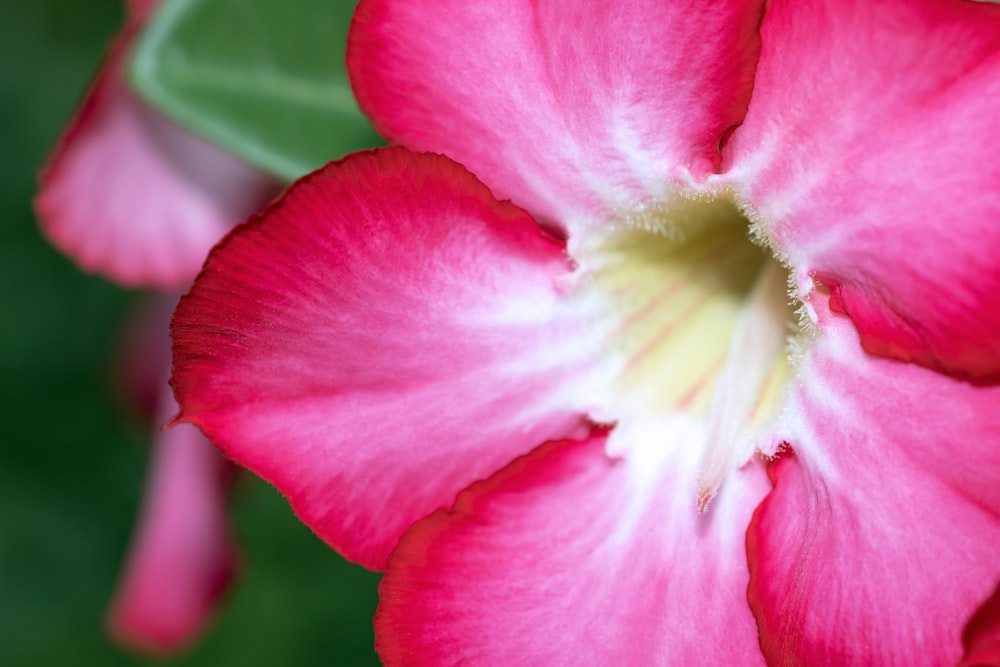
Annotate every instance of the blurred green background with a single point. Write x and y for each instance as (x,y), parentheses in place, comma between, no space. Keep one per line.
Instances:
(73,458)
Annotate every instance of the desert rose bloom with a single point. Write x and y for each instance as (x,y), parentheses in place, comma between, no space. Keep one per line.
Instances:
(130,196)
(716,386)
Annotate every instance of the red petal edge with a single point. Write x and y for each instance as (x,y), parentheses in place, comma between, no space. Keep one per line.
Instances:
(982,635)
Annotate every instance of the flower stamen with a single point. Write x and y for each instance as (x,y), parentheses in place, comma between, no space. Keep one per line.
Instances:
(758,338)
(696,320)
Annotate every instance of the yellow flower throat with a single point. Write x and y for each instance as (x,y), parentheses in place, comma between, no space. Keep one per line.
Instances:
(699,318)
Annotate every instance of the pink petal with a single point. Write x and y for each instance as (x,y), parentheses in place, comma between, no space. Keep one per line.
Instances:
(880,537)
(870,149)
(982,635)
(182,558)
(567,557)
(577,111)
(141,10)
(384,335)
(134,198)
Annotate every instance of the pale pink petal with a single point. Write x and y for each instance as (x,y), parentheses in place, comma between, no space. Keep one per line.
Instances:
(182,558)
(576,111)
(880,537)
(982,635)
(567,557)
(134,198)
(381,337)
(141,10)
(870,152)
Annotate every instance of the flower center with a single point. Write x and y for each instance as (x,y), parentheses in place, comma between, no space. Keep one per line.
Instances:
(698,321)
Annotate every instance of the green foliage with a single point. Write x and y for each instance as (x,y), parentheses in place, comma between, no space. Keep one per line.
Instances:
(266,79)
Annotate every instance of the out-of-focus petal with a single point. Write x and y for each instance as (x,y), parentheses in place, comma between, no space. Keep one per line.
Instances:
(182,557)
(982,635)
(880,537)
(567,557)
(381,337)
(141,10)
(130,196)
(870,151)
(576,111)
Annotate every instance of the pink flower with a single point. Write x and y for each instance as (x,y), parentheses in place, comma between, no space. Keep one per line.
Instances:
(585,426)
(183,557)
(132,197)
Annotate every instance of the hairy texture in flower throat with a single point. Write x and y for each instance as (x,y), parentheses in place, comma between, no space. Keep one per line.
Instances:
(698,318)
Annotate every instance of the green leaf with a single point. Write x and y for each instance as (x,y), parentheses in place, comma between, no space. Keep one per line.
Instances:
(265,80)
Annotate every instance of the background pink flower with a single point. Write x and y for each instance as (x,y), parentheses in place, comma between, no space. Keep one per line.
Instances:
(131,196)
